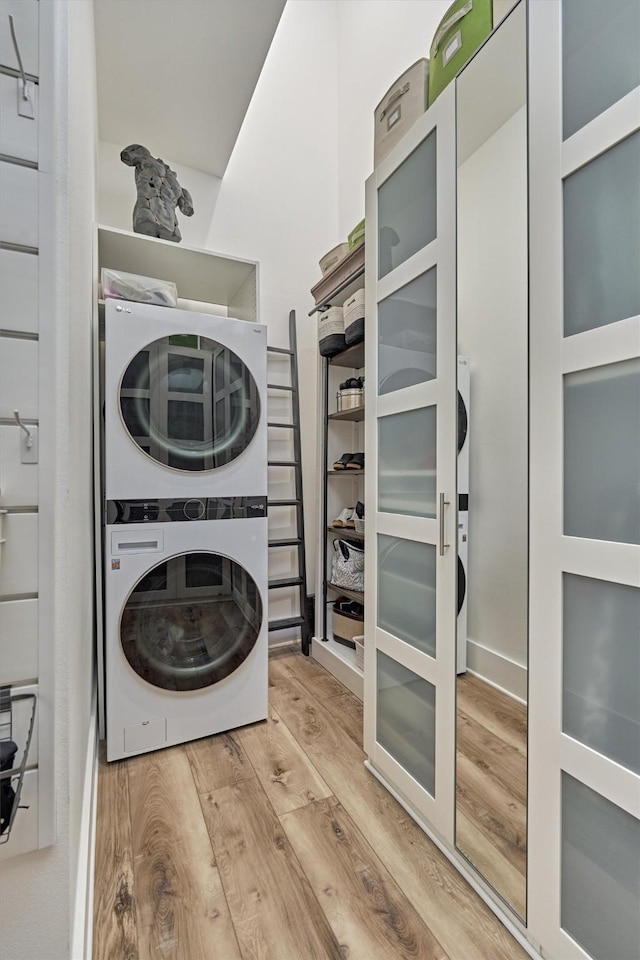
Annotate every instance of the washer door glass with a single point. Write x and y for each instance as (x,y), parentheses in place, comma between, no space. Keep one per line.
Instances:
(190,403)
(191,621)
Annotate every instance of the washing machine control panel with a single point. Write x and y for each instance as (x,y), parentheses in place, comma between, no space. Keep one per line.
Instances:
(170,510)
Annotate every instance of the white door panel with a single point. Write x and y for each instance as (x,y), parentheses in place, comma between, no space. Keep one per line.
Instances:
(18,204)
(25,18)
(18,134)
(18,378)
(24,833)
(18,291)
(18,481)
(19,557)
(18,640)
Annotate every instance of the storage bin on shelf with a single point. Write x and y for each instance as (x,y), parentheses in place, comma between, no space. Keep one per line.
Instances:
(349,399)
(403,103)
(346,626)
(331,338)
(333,257)
(356,236)
(459,34)
(359,645)
(354,318)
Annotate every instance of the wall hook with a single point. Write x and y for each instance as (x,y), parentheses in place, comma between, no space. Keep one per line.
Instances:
(29,438)
(25,95)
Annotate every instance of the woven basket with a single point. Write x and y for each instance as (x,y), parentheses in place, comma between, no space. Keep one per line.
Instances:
(346,626)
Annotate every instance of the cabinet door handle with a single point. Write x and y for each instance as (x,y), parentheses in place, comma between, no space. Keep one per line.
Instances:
(442,545)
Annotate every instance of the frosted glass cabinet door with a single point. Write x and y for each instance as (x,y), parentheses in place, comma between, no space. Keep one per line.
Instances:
(407,208)
(407,591)
(600,57)
(602,239)
(600,875)
(406,719)
(602,453)
(601,667)
(407,463)
(407,335)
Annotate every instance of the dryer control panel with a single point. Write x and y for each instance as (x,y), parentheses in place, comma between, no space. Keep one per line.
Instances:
(172,510)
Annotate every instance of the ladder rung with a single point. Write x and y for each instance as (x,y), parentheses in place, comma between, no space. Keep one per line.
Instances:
(286,623)
(289,353)
(287,542)
(283,503)
(285,582)
(278,386)
(288,426)
(282,463)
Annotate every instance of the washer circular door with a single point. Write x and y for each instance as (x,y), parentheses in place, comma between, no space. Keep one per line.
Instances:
(191,621)
(189,403)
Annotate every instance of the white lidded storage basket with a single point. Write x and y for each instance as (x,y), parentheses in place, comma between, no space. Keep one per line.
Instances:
(333,257)
(354,317)
(401,106)
(331,339)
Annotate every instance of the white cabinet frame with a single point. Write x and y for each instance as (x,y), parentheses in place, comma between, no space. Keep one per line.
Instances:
(551,357)
(440,671)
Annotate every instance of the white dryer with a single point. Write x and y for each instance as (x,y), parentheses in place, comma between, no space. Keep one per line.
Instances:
(185,404)
(185,619)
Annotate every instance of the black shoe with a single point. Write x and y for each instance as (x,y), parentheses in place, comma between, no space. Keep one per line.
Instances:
(343,462)
(356,462)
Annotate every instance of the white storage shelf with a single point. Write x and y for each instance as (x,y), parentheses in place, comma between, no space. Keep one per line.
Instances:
(200,275)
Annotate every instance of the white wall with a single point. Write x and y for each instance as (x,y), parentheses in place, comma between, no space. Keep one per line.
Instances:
(37,890)
(278,200)
(377,41)
(117,194)
(493,333)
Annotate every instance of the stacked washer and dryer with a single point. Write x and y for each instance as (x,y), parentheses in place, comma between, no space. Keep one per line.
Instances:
(185,538)
(464,389)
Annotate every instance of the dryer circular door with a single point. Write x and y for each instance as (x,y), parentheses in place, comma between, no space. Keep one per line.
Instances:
(189,403)
(191,621)
(463,422)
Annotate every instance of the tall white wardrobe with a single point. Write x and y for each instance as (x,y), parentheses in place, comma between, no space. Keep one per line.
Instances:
(505,227)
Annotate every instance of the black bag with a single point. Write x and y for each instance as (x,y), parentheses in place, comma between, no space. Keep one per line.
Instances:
(8,750)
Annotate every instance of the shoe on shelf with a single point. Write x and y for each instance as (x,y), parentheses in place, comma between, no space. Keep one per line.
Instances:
(355,462)
(344,518)
(342,604)
(359,510)
(352,383)
(343,461)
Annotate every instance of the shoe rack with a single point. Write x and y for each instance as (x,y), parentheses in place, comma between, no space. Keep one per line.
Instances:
(340,432)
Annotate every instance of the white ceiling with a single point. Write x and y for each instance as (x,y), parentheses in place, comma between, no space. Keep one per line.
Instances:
(177,75)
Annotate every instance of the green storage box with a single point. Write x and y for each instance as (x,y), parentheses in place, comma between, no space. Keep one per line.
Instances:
(356,236)
(461,31)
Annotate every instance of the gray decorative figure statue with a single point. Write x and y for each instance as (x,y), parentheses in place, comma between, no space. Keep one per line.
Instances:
(158,195)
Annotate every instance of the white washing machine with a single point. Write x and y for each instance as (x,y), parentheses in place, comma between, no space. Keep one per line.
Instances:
(185,404)
(464,385)
(463,567)
(186,624)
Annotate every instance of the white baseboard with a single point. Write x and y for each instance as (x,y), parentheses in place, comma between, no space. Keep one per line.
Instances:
(82,920)
(498,670)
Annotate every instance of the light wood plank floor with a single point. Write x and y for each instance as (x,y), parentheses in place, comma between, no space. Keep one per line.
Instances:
(491,786)
(273,842)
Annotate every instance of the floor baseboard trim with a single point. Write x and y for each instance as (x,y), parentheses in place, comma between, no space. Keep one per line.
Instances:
(498,670)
